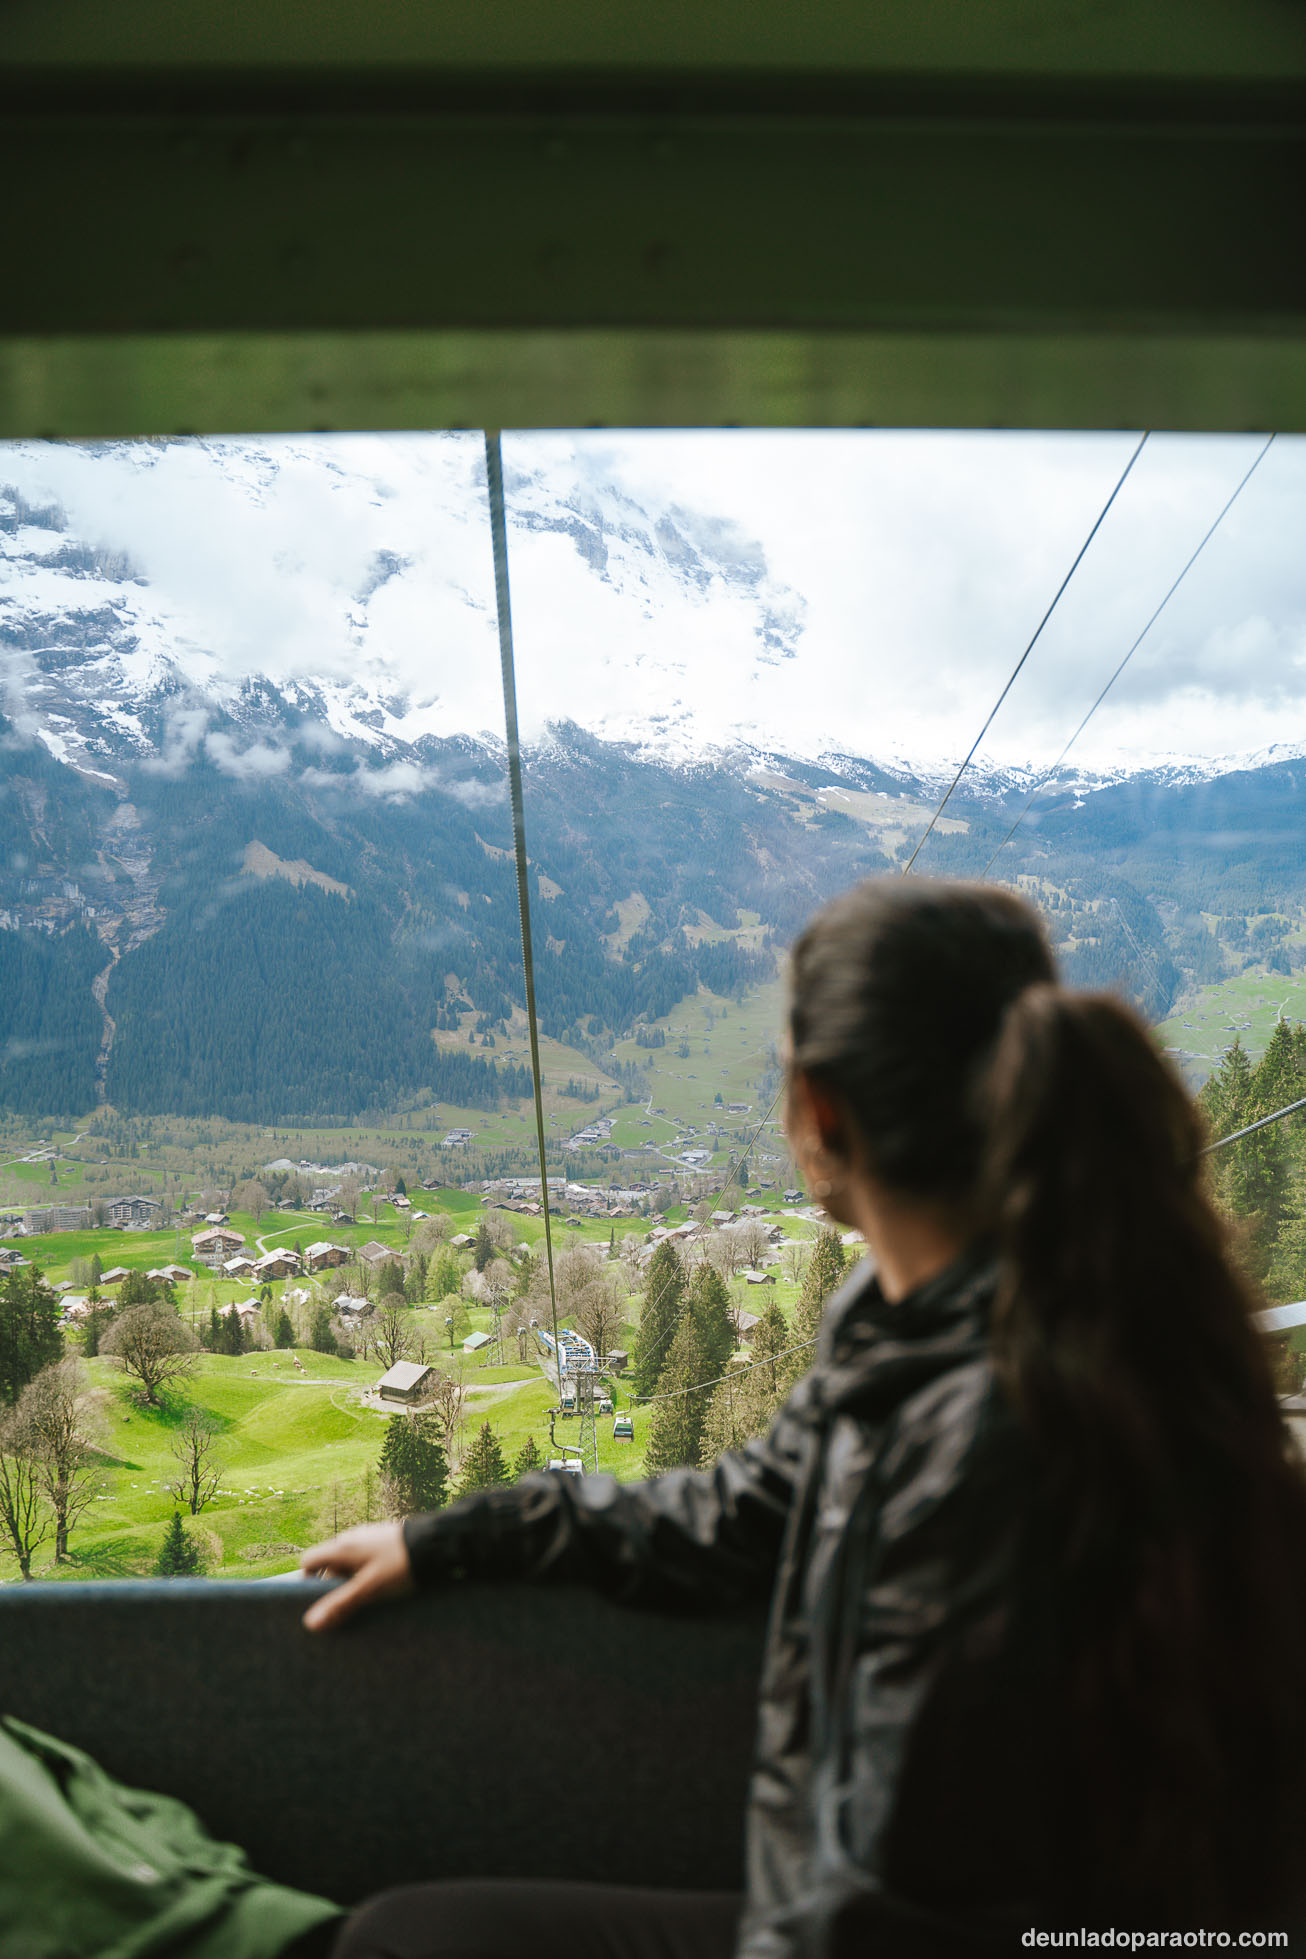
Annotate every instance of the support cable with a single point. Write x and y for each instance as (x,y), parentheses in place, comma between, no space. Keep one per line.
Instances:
(499,539)
(676,1394)
(947,794)
(1251,1128)
(1047,777)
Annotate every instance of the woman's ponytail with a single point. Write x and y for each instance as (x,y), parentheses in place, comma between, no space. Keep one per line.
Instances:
(1108,1246)
(1168,1504)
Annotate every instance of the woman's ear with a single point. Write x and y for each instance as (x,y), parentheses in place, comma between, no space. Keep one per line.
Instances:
(817,1115)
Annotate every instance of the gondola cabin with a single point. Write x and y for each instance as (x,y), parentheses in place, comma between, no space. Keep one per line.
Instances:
(623,1429)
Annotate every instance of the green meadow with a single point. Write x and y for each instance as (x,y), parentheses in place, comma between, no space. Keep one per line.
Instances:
(1246,1006)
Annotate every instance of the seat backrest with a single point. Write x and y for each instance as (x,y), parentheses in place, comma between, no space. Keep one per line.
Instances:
(477,1731)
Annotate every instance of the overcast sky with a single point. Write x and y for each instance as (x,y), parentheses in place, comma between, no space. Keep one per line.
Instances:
(907,571)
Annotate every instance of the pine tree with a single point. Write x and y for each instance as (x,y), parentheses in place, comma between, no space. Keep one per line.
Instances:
(741,1407)
(709,1303)
(483,1466)
(213,1340)
(413,1467)
(231,1337)
(29,1330)
(285,1335)
(772,1337)
(527,1460)
(322,1337)
(824,1271)
(179,1556)
(484,1250)
(675,1436)
(664,1303)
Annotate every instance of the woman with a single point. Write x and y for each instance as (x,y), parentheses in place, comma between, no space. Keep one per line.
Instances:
(1033,1535)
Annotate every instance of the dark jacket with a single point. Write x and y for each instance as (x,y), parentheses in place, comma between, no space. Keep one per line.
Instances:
(898,1735)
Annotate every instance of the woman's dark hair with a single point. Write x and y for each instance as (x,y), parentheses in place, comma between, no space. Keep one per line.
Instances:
(1169,1517)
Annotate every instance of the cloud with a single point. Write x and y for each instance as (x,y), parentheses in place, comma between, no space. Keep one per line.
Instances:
(399,781)
(904,571)
(184,730)
(254,763)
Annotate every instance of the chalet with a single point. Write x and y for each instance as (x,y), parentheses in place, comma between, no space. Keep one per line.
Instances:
(173,1275)
(115,1275)
(138,1211)
(74,1308)
(746,1324)
(247,1308)
(618,1359)
(351,1305)
(400,1202)
(793,1197)
(216,1217)
(219,1241)
(375,1254)
(323,1254)
(755,1278)
(239,1266)
(474,1343)
(462,1241)
(278,1264)
(10,1260)
(407,1381)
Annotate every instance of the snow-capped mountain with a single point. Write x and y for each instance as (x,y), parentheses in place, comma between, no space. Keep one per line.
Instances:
(162,596)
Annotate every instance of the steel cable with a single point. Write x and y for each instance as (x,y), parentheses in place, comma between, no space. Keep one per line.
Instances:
(1015,672)
(507,666)
(1046,778)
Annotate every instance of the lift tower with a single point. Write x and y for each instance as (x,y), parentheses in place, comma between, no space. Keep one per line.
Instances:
(587,1384)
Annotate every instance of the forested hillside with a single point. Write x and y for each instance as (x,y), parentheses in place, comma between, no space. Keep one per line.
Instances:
(283,937)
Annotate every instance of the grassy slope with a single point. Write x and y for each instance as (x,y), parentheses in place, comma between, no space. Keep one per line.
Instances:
(289,1439)
(1246,1005)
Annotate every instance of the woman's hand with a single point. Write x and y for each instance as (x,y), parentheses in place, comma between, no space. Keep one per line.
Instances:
(372,1558)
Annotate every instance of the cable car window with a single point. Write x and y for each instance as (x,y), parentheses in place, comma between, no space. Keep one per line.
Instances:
(268,1083)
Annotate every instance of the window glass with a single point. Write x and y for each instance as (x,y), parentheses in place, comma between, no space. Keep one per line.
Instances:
(266,1102)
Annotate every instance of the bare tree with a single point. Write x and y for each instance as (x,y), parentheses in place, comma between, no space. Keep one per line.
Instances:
(599,1311)
(251,1196)
(199,1464)
(340,1508)
(574,1269)
(726,1253)
(153,1346)
(502,1228)
(389,1331)
(794,1258)
(25,1520)
(347,1196)
(753,1240)
(446,1399)
(432,1232)
(55,1412)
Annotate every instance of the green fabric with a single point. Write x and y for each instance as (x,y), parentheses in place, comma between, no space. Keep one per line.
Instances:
(90,1870)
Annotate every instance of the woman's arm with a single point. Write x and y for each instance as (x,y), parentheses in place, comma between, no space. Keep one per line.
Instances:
(688,1537)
